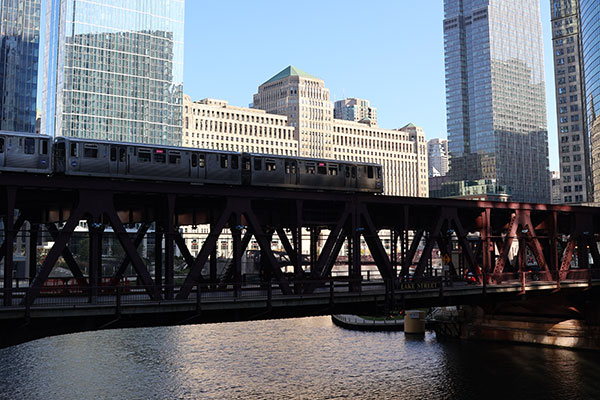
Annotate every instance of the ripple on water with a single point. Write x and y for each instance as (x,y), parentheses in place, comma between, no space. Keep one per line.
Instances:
(306,358)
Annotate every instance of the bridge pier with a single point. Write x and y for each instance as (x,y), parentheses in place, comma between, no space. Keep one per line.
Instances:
(558,320)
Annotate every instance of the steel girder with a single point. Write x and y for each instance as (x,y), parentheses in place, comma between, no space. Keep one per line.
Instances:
(259,212)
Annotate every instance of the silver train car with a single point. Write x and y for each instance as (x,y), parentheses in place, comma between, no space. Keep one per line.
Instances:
(25,152)
(95,158)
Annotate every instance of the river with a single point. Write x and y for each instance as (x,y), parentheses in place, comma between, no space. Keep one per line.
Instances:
(305,358)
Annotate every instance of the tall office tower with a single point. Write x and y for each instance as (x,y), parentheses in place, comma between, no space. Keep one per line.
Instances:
(353,109)
(437,156)
(590,39)
(573,139)
(305,100)
(495,97)
(114,70)
(19,46)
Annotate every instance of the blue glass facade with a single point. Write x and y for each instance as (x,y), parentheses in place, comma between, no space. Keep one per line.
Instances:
(590,38)
(115,70)
(19,47)
(495,95)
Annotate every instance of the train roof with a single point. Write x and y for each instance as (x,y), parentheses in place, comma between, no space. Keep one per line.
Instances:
(313,159)
(148,145)
(28,134)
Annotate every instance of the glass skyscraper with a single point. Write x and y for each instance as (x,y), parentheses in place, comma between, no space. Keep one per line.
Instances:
(495,96)
(114,70)
(590,38)
(19,47)
(574,144)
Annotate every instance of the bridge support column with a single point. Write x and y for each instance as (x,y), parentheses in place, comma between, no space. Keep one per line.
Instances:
(32,250)
(95,229)
(158,255)
(169,247)
(9,238)
(235,226)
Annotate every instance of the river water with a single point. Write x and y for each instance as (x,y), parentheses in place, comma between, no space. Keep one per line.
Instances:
(306,358)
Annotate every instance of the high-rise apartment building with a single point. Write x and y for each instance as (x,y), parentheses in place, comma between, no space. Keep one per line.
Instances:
(495,96)
(437,156)
(353,109)
(214,124)
(590,40)
(304,99)
(19,47)
(573,139)
(114,70)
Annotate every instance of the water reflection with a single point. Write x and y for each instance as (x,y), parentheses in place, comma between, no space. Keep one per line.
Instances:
(297,358)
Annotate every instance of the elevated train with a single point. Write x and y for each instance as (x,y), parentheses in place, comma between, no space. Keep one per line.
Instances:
(32,153)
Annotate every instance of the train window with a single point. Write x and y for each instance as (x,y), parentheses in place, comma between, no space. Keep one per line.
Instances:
(321,169)
(122,154)
(347,171)
(90,151)
(29,147)
(353,171)
(73,149)
(294,167)
(287,167)
(378,172)
(201,160)
(113,154)
(44,147)
(1,145)
(257,163)
(194,160)
(370,172)
(159,156)
(270,165)
(144,155)
(310,168)
(235,162)
(332,170)
(174,158)
(224,161)
(246,164)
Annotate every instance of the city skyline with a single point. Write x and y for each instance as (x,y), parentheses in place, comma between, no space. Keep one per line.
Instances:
(374,73)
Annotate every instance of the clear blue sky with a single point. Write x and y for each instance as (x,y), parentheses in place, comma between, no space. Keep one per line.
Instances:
(390,52)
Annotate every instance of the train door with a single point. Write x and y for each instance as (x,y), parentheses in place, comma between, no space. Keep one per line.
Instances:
(60,156)
(246,170)
(291,172)
(117,160)
(350,176)
(2,150)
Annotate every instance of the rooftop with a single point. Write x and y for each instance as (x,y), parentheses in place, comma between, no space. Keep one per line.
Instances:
(290,71)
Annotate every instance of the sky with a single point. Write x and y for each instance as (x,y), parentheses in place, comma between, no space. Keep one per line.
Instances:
(390,52)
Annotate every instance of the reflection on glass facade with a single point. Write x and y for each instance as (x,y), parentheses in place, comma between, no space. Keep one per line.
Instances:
(575,182)
(495,96)
(19,46)
(590,38)
(115,70)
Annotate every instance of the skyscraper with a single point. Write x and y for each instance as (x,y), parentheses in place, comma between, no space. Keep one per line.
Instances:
(19,46)
(114,70)
(573,139)
(437,156)
(305,100)
(495,101)
(590,38)
(353,109)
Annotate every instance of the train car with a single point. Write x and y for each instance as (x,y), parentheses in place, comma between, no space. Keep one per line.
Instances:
(73,156)
(25,152)
(310,173)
